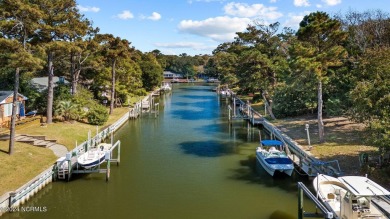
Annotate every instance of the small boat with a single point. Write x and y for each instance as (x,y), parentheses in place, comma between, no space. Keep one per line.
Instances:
(273,158)
(351,197)
(166,87)
(94,156)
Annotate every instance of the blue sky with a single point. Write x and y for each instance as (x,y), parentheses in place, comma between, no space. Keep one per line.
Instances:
(199,26)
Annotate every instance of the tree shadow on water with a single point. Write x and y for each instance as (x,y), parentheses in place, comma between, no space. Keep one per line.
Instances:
(251,171)
(194,114)
(207,148)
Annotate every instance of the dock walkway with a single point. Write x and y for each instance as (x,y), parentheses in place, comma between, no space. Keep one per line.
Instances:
(305,162)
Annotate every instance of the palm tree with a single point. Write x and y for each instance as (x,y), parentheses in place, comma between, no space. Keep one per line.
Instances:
(66,109)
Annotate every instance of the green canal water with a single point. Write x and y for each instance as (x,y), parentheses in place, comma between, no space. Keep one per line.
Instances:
(187,163)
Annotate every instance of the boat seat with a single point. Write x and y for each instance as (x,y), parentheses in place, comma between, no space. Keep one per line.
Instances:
(273,149)
(331,196)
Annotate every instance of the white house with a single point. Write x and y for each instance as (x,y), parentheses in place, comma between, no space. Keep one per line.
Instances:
(170,75)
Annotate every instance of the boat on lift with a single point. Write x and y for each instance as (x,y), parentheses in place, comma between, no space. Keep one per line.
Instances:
(351,197)
(94,156)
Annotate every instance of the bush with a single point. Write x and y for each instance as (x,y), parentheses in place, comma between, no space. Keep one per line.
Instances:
(97,115)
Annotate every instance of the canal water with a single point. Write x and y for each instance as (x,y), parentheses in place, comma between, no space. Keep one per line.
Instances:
(187,163)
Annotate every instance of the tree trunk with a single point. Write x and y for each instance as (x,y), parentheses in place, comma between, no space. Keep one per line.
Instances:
(321,133)
(50,89)
(268,104)
(13,117)
(73,73)
(112,87)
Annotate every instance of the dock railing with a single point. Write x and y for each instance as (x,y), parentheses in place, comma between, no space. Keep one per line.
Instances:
(309,164)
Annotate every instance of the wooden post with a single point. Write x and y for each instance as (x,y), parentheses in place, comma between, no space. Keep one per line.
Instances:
(300,203)
(11,198)
(108,166)
(229,109)
(247,109)
(69,169)
(119,153)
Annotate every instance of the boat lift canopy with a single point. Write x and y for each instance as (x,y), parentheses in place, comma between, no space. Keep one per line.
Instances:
(271,143)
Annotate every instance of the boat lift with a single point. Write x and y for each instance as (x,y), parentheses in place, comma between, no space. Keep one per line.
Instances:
(108,159)
(66,166)
(326,211)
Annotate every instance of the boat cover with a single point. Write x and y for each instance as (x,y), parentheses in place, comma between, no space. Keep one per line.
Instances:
(362,186)
(271,143)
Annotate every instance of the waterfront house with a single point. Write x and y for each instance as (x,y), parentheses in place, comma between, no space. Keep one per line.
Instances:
(171,75)
(6,98)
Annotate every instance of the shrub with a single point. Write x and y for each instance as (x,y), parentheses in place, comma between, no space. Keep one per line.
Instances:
(97,115)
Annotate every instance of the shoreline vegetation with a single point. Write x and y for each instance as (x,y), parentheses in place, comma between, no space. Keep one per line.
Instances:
(344,143)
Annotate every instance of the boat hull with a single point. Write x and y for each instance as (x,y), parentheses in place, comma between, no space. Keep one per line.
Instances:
(272,168)
(94,157)
(92,163)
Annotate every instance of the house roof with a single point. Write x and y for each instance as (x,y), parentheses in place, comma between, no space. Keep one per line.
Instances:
(5,94)
(41,83)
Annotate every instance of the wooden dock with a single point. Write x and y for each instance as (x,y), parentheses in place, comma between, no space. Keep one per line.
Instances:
(304,161)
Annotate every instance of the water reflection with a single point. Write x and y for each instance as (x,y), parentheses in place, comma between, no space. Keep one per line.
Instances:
(188,162)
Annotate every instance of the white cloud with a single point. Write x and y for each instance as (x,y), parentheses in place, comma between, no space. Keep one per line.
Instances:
(301,3)
(255,10)
(220,29)
(273,1)
(318,5)
(293,21)
(155,16)
(332,2)
(125,15)
(191,45)
(88,8)
(192,1)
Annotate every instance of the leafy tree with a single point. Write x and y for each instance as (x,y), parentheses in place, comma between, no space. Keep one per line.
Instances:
(129,79)
(113,49)
(18,20)
(318,48)
(152,73)
(61,21)
(80,50)
(371,96)
(262,60)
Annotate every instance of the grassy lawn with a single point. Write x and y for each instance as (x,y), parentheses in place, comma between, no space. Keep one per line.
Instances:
(28,161)
(67,133)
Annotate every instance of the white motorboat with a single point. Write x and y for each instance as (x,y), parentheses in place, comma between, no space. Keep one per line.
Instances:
(351,197)
(166,87)
(94,156)
(273,158)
